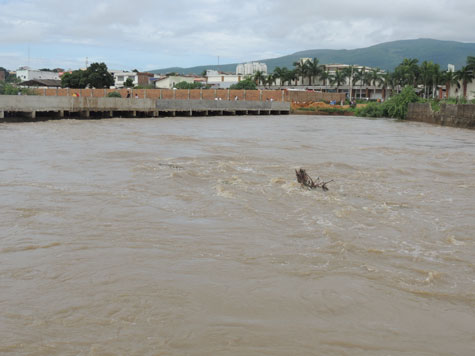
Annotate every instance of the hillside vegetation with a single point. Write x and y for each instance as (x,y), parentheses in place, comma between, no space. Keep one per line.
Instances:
(385,56)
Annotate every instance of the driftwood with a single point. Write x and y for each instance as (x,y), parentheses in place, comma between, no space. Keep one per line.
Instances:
(304,179)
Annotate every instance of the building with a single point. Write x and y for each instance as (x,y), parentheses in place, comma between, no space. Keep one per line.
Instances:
(169,82)
(30,74)
(2,76)
(251,68)
(138,78)
(222,80)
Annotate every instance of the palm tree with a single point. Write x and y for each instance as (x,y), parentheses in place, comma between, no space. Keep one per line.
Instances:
(299,68)
(450,79)
(349,74)
(385,81)
(425,75)
(292,75)
(325,75)
(465,75)
(270,79)
(374,77)
(337,78)
(312,69)
(411,70)
(259,77)
(279,73)
(367,81)
(358,77)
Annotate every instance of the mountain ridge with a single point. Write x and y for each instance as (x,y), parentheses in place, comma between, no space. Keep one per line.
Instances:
(386,55)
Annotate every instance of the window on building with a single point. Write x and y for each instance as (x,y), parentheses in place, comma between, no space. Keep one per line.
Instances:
(120,78)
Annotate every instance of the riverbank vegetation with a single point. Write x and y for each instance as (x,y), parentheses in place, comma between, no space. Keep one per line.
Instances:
(11,89)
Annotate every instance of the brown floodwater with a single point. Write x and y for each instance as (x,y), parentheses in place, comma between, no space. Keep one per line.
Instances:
(191,236)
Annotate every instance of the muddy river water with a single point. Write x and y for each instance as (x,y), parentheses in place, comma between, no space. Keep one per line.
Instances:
(191,236)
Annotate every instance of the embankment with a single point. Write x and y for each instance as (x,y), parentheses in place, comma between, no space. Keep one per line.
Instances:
(455,115)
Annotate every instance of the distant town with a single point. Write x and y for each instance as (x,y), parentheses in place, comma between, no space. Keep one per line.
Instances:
(358,82)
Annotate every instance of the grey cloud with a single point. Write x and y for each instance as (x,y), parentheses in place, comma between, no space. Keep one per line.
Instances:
(234,29)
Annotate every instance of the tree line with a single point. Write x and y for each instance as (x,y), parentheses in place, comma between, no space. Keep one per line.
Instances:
(409,72)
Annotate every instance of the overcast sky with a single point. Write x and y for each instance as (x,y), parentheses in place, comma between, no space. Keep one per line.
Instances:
(151,34)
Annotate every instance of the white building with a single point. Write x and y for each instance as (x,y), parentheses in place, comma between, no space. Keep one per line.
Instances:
(30,74)
(251,68)
(120,77)
(170,81)
(222,80)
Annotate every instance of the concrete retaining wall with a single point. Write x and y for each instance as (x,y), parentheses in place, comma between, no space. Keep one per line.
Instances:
(455,115)
(33,107)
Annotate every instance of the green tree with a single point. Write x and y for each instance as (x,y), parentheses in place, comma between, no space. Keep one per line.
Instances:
(325,76)
(95,76)
(98,76)
(76,79)
(397,106)
(129,83)
(284,75)
(358,78)
(374,78)
(450,79)
(465,75)
(338,78)
(312,69)
(386,82)
(410,69)
(299,68)
(247,84)
(259,77)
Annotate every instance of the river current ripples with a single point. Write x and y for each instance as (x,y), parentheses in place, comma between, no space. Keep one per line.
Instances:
(191,236)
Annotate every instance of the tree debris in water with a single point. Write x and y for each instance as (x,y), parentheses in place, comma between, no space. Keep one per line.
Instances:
(304,179)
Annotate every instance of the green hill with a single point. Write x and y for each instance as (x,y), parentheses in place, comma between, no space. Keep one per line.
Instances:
(385,56)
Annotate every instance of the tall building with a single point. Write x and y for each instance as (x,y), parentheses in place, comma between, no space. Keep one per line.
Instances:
(251,68)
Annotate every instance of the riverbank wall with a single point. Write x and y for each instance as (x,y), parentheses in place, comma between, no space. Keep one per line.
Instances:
(29,108)
(455,115)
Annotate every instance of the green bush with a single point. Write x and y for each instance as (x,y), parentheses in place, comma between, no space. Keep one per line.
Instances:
(9,89)
(186,85)
(435,105)
(247,84)
(397,105)
(114,94)
(371,110)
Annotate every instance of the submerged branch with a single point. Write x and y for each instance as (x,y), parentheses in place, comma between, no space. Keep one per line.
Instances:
(304,179)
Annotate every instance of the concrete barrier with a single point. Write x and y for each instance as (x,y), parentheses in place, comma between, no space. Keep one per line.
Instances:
(33,107)
(455,115)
